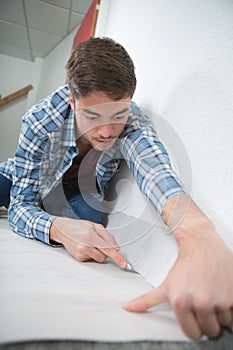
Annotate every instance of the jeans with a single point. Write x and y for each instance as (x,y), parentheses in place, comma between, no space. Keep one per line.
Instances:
(62,201)
(5,187)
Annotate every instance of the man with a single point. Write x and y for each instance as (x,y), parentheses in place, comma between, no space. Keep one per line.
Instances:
(58,200)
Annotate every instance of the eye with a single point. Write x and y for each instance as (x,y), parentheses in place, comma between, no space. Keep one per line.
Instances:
(91,117)
(120,117)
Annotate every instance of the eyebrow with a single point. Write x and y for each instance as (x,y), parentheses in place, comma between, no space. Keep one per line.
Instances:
(89,111)
(120,112)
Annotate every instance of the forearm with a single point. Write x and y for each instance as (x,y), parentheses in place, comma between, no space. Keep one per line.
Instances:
(186,220)
(30,221)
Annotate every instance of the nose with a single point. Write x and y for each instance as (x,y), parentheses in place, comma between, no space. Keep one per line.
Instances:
(106,130)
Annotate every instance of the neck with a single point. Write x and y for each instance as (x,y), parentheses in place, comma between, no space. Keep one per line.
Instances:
(83,146)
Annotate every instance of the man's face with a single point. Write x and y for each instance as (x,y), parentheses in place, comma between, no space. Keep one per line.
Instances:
(100,120)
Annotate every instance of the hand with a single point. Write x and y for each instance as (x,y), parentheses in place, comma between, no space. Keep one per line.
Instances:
(199,286)
(85,240)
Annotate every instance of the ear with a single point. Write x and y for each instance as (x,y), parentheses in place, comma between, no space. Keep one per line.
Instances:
(71,99)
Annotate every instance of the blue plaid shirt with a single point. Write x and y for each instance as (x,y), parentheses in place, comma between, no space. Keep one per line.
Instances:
(47,147)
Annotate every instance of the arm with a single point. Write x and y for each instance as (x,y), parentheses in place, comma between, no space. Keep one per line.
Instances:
(199,286)
(25,215)
(32,166)
(83,239)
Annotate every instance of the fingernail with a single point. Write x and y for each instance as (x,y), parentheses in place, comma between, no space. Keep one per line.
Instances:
(123,264)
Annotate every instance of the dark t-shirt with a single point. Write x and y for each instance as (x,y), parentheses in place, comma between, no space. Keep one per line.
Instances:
(80,177)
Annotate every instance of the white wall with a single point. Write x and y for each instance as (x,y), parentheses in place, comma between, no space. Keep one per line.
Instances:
(53,73)
(15,74)
(183,55)
(44,74)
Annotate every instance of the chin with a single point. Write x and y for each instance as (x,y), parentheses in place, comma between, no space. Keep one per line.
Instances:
(102,148)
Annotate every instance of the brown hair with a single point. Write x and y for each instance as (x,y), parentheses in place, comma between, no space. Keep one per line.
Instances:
(101,64)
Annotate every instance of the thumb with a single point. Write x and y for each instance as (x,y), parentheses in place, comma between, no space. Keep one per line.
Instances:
(155,297)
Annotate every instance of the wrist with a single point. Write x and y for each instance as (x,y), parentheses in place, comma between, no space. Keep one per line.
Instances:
(186,220)
(198,229)
(54,233)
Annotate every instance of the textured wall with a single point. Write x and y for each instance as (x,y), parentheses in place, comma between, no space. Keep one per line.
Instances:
(183,52)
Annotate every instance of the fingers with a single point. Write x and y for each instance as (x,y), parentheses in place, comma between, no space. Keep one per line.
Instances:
(85,253)
(107,237)
(99,255)
(86,240)
(188,323)
(195,319)
(99,249)
(115,256)
(89,253)
(144,302)
(225,318)
(107,244)
(194,323)
(199,320)
(208,323)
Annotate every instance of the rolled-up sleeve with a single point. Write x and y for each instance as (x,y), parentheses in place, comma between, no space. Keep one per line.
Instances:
(25,214)
(149,163)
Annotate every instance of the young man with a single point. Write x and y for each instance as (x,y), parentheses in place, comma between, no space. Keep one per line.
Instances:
(69,148)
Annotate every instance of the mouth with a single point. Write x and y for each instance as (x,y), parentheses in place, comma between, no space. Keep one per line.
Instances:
(106,142)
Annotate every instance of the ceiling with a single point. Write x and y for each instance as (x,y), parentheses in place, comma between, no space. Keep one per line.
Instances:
(33,28)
